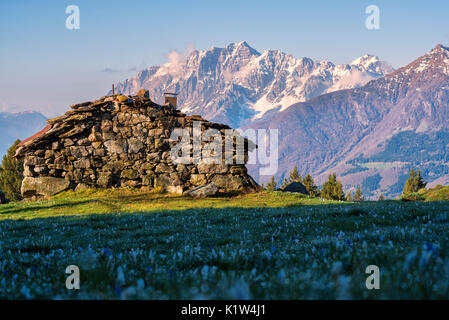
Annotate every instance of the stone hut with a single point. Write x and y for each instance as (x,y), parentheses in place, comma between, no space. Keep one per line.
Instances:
(123,141)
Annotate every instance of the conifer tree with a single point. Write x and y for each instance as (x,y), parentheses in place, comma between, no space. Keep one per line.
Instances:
(11,174)
(294,175)
(271,186)
(358,196)
(310,185)
(349,196)
(332,189)
(284,183)
(414,183)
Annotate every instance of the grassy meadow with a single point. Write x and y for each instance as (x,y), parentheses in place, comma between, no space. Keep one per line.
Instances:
(133,244)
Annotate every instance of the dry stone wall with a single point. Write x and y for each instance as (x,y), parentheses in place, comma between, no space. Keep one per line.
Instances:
(120,141)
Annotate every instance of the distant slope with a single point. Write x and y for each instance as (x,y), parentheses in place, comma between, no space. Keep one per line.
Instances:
(236,84)
(15,126)
(370,136)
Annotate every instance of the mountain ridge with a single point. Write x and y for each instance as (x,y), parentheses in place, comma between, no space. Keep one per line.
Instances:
(237,84)
(18,125)
(348,131)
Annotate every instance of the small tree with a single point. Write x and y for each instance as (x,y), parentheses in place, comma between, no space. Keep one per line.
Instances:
(414,183)
(349,196)
(294,175)
(271,186)
(284,183)
(332,189)
(310,185)
(358,196)
(381,197)
(11,174)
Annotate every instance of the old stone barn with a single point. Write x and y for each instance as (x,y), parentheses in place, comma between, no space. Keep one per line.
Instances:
(121,141)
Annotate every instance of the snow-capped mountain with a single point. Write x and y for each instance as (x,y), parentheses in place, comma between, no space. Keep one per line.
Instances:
(371,136)
(237,84)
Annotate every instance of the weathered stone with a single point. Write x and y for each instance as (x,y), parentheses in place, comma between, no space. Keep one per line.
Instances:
(49,154)
(130,174)
(39,153)
(97,145)
(82,163)
(41,169)
(155,132)
(163,181)
(175,189)
(78,152)
(56,145)
(134,145)
(43,186)
(296,187)
(68,142)
(203,191)
(104,180)
(122,98)
(28,171)
(82,186)
(73,132)
(162,167)
(212,168)
(34,161)
(83,142)
(143,93)
(116,146)
(238,170)
(198,179)
(155,156)
(147,180)
(228,182)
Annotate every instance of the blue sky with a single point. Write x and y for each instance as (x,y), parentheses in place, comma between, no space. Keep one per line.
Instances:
(46,67)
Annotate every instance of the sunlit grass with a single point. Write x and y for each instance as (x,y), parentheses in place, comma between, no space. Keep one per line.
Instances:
(95,201)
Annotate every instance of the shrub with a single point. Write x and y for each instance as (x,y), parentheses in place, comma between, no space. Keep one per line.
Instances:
(413,196)
(11,174)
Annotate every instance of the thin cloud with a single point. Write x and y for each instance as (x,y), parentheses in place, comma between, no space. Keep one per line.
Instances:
(110,70)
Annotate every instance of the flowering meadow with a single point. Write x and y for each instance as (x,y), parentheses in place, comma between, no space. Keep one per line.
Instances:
(264,246)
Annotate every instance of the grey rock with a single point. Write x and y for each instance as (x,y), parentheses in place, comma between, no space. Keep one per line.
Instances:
(296,187)
(43,186)
(203,191)
(135,146)
(116,146)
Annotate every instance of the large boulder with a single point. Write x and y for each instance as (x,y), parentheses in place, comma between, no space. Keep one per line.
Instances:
(203,191)
(228,182)
(3,199)
(296,187)
(43,186)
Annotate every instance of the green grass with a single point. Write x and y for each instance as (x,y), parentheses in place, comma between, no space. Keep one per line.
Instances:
(439,193)
(93,201)
(144,245)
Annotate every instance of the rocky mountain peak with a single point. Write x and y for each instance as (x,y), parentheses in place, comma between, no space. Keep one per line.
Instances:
(237,84)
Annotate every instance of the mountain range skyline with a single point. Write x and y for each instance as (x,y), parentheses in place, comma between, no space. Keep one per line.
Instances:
(236,84)
(345,118)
